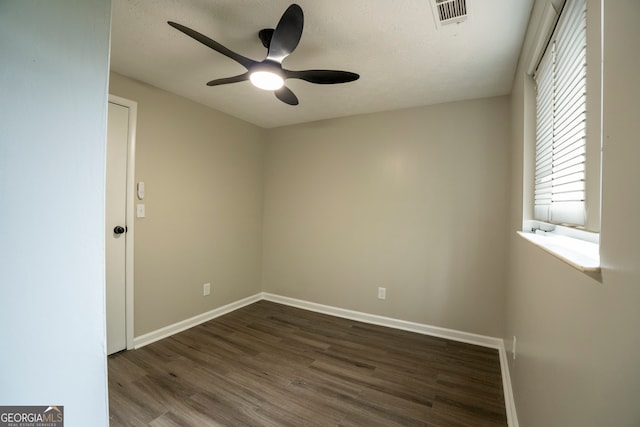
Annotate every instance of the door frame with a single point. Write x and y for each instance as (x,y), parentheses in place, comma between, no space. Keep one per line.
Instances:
(130,211)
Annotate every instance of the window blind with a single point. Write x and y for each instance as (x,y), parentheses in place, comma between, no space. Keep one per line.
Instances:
(559,194)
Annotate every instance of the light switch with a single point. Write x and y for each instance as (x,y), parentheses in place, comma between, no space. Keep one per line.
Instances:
(141,190)
(140,210)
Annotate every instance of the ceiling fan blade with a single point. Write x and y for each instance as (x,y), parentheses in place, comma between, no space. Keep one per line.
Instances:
(244,61)
(287,34)
(325,77)
(285,95)
(227,80)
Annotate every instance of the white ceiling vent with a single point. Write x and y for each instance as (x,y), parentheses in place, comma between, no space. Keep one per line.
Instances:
(449,11)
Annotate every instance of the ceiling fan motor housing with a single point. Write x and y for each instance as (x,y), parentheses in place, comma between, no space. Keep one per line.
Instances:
(265,36)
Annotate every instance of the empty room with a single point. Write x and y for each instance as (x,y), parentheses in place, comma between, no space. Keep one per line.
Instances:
(362,213)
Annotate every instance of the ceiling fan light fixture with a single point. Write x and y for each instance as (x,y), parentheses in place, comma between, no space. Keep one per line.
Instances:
(266,80)
(268,74)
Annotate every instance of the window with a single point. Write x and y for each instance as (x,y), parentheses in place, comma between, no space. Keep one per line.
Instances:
(562,153)
(560,191)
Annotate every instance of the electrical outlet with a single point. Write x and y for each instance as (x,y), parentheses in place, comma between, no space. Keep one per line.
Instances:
(206,289)
(513,349)
(382,293)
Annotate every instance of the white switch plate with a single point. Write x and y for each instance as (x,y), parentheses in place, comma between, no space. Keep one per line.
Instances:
(140,210)
(206,289)
(140,190)
(382,293)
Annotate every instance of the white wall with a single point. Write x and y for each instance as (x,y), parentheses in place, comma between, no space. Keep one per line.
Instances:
(578,339)
(53,104)
(412,200)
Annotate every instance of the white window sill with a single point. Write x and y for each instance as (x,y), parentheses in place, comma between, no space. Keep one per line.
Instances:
(580,254)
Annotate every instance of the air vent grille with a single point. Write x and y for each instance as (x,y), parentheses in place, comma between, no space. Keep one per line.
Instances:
(450,11)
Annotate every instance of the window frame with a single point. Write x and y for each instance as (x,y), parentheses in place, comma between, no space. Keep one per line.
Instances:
(546,33)
(564,242)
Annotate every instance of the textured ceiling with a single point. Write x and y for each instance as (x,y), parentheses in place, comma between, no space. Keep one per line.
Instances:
(403,58)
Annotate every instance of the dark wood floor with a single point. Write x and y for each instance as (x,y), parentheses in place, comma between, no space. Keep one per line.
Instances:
(274,365)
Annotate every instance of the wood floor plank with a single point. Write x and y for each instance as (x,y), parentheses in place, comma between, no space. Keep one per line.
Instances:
(268,364)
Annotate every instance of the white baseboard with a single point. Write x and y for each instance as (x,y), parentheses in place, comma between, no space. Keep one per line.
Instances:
(374,319)
(183,325)
(509,402)
(420,328)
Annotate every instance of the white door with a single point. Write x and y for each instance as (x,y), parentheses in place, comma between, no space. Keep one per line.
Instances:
(115,220)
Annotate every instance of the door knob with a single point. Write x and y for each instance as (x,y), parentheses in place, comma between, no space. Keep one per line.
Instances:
(120,230)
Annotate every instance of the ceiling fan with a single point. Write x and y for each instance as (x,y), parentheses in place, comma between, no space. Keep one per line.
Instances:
(269,74)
